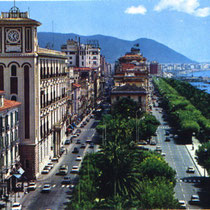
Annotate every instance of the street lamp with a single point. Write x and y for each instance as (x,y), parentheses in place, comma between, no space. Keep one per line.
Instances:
(136,124)
(205,155)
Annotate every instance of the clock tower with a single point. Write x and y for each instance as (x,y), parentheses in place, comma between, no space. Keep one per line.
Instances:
(19,77)
(18,32)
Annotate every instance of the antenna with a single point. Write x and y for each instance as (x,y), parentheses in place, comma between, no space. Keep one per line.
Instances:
(29,11)
(14,3)
(52,35)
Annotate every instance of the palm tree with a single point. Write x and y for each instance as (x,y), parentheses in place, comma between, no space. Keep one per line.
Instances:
(119,173)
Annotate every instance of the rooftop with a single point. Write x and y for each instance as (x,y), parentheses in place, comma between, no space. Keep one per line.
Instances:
(76,85)
(2,92)
(14,16)
(8,104)
(132,89)
(44,51)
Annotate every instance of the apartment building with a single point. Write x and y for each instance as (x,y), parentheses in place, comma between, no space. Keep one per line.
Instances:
(9,143)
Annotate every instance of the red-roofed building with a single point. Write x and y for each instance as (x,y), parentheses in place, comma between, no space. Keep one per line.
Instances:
(132,71)
(9,141)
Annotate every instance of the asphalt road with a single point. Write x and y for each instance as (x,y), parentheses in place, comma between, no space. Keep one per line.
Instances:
(56,199)
(179,159)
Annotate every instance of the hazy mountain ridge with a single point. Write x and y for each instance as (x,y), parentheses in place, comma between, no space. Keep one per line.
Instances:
(113,47)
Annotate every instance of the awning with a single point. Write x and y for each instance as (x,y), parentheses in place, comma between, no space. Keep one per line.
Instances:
(71,127)
(19,173)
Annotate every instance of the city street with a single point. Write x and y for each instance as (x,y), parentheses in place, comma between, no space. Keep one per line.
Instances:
(59,194)
(179,159)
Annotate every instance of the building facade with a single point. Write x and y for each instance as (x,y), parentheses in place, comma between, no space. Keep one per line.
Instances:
(9,143)
(131,79)
(37,78)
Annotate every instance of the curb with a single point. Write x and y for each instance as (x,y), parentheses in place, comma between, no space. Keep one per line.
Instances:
(194,161)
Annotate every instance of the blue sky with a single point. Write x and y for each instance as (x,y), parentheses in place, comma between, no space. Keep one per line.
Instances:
(183,25)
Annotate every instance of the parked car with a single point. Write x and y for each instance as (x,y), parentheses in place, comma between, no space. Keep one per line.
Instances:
(158,149)
(195,199)
(167,139)
(55,159)
(76,150)
(75,169)
(153,142)
(16,206)
(167,133)
(78,158)
(142,143)
(67,142)
(88,141)
(45,171)
(50,165)
(31,186)
(62,172)
(91,145)
(66,180)
(62,150)
(182,203)
(78,131)
(46,188)
(78,141)
(82,146)
(64,167)
(190,169)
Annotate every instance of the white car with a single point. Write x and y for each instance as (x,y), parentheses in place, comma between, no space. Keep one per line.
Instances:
(45,171)
(75,169)
(51,165)
(31,186)
(16,206)
(182,203)
(195,199)
(46,188)
(78,158)
(190,169)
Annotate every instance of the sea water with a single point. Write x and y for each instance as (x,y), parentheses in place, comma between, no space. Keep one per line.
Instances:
(201,85)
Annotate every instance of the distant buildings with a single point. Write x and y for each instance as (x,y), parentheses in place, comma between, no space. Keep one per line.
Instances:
(88,69)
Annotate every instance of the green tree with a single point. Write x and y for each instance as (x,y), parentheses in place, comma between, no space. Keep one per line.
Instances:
(203,155)
(125,108)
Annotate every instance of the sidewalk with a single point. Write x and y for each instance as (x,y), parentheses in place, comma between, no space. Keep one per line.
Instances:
(191,152)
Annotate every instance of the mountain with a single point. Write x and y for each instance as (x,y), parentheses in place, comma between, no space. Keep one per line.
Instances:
(113,48)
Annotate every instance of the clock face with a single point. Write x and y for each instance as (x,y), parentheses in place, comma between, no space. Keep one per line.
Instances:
(13,36)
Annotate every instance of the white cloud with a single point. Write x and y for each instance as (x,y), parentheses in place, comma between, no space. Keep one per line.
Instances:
(187,6)
(203,12)
(136,10)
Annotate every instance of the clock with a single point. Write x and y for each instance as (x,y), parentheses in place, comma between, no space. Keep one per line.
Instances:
(13,36)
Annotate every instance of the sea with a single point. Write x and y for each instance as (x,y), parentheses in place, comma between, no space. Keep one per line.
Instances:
(201,85)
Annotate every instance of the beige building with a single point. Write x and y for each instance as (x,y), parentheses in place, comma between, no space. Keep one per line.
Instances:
(38,79)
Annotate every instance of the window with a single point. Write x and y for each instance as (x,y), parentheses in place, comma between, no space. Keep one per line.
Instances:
(13,71)
(1,78)
(14,98)
(13,85)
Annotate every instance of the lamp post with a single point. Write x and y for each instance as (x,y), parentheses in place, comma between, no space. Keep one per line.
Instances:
(136,125)
(205,155)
